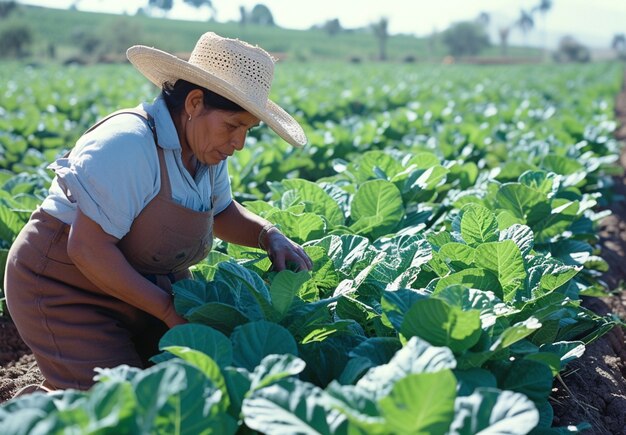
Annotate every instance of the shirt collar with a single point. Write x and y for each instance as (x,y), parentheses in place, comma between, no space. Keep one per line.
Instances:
(166,131)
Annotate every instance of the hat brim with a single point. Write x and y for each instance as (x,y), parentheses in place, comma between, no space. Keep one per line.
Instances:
(160,67)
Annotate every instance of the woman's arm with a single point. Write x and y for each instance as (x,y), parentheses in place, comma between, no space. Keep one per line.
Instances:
(237,225)
(97,256)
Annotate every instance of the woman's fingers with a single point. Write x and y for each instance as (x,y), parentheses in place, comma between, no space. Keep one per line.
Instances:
(286,254)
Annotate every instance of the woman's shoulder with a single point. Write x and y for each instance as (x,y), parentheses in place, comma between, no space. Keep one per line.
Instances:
(125,133)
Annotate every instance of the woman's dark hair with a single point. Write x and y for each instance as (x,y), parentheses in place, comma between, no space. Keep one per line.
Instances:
(175,95)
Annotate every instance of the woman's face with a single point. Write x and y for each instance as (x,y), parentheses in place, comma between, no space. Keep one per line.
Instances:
(213,135)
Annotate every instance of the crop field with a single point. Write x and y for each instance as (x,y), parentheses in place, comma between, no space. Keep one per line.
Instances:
(452,213)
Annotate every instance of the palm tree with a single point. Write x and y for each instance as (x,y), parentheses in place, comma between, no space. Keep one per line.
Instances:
(503,33)
(525,22)
(543,8)
(199,3)
(164,5)
(619,45)
(483,19)
(382,33)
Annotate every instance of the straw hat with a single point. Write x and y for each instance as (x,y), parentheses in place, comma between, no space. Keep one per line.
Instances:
(231,68)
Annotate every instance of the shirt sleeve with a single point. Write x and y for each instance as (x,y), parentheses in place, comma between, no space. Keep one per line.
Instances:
(221,191)
(112,173)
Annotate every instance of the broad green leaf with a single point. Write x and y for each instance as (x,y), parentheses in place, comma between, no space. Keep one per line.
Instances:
(290,406)
(396,303)
(478,225)
(532,378)
(515,333)
(417,356)
(538,180)
(224,318)
(424,160)
(274,368)
(284,288)
(549,359)
(507,219)
(523,202)
(555,276)
(347,252)
(560,219)
(420,403)
(326,360)
(477,278)
(422,183)
(255,340)
(491,411)
(189,294)
(567,351)
(244,289)
(470,379)
(10,224)
(206,365)
(324,278)
(300,227)
(238,384)
(457,255)
(376,208)
(176,397)
(201,338)
(321,332)
(505,260)
(316,200)
(522,236)
(561,165)
(377,350)
(442,325)
(402,253)
(359,406)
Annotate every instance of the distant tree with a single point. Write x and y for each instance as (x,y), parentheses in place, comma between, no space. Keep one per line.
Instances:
(619,45)
(243,16)
(261,15)
(525,22)
(543,8)
(465,39)
(118,35)
(332,27)
(503,34)
(199,3)
(6,8)
(164,5)
(570,50)
(483,19)
(381,31)
(15,39)
(433,43)
(87,40)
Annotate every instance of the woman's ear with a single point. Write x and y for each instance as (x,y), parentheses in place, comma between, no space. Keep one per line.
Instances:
(194,103)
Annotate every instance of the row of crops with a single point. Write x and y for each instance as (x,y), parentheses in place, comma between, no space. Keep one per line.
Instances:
(452,217)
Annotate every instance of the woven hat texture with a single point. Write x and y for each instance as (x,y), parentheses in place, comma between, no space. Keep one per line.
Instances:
(234,69)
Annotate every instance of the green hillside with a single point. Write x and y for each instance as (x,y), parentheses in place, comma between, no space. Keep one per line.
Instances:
(63,34)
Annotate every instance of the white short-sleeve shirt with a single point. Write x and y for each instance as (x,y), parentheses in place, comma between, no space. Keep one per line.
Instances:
(113,173)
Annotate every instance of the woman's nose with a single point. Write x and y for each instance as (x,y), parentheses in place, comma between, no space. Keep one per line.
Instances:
(239,141)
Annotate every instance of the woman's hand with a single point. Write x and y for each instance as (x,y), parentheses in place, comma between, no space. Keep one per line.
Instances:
(284,253)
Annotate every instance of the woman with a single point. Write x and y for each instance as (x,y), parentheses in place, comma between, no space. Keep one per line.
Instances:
(136,202)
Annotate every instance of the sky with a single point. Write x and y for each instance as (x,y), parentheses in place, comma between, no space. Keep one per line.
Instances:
(593,22)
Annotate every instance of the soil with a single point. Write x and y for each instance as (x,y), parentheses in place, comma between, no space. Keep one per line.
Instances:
(592,389)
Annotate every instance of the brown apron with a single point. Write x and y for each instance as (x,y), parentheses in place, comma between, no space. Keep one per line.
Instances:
(70,324)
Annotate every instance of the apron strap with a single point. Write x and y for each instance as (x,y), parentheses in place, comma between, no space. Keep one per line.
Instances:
(166,186)
(138,112)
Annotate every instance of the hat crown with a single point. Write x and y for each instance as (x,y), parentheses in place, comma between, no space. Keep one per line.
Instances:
(247,68)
